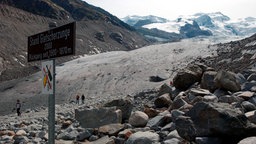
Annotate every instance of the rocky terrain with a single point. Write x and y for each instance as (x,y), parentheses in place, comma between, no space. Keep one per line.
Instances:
(96,31)
(192,91)
(171,93)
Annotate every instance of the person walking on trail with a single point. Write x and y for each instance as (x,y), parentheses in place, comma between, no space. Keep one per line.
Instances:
(18,106)
(77,99)
(83,99)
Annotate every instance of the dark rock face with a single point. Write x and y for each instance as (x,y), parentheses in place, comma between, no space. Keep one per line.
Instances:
(207,81)
(205,20)
(227,80)
(184,79)
(215,119)
(193,30)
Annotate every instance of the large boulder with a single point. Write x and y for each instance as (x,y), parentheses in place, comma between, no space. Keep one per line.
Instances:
(125,105)
(94,118)
(163,89)
(227,80)
(207,81)
(138,119)
(187,77)
(163,101)
(214,119)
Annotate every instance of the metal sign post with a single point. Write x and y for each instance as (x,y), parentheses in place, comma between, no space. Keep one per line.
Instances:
(51,109)
(48,87)
(50,44)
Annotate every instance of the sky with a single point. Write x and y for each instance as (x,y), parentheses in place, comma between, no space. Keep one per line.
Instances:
(172,9)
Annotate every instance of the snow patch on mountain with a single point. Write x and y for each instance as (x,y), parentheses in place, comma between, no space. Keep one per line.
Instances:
(217,23)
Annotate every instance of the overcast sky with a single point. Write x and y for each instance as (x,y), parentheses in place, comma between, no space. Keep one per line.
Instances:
(171,9)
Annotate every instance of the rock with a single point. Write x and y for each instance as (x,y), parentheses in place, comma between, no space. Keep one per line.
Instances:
(184,79)
(252,77)
(221,92)
(176,113)
(125,105)
(163,101)
(125,134)
(143,138)
(165,89)
(66,124)
(117,36)
(207,81)
(169,127)
(157,122)
(172,141)
(230,99)
(253,100)
(83,135)
(155,79)
(138,119)
(249,86)
(68,135)
(218,119)
(246,95)
(173,134)
(186,128)
(178,103)
(103,140)
(19,139)
(248,106)
(227,80)
(199,92)
(21,133)
(94,118)
(251,115)
(111,129)
(210,98)
(100,36)
(248,140)
(208,140)
(151,112)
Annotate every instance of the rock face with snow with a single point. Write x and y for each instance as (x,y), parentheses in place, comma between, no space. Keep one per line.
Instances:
(200,24)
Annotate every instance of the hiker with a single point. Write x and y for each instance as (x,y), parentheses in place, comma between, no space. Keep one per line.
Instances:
(83,99)
(18,106)
(77,99)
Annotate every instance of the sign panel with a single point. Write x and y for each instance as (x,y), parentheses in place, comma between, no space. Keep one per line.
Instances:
(47,82)
(53,43)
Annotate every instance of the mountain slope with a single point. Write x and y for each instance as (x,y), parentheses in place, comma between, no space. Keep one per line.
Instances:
(106,76)
(96,32)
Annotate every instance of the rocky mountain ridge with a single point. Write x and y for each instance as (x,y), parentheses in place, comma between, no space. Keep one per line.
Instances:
(97,31)
(200,24)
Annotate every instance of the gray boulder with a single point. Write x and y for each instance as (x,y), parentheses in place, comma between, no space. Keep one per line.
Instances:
(165,89)
(163,101)
(125,105)
(94,118)
(184,79)
(227,80)
(138,119)
(207,81)
(143,138)
(214,119)
(248,140)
